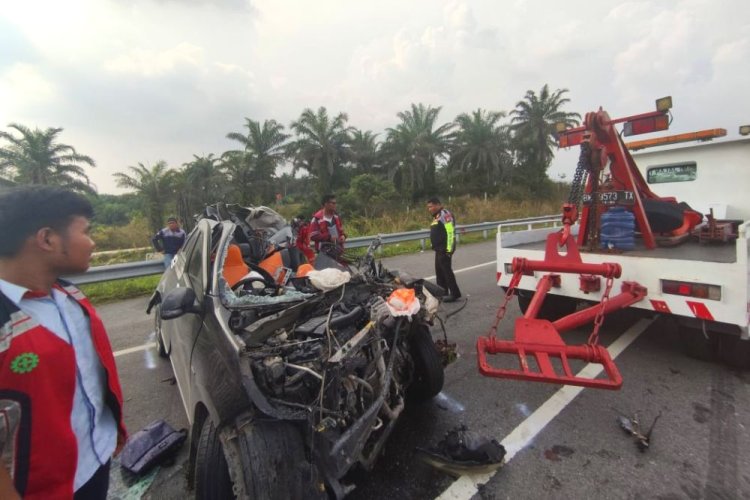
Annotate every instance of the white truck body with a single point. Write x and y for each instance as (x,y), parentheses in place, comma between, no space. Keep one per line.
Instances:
(718,177)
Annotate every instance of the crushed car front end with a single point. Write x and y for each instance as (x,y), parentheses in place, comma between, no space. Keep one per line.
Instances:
(328,373)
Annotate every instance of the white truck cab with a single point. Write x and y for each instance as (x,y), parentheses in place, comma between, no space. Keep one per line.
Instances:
(705,286)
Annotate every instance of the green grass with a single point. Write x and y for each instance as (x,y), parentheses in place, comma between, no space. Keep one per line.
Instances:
(103,259)
(111,291)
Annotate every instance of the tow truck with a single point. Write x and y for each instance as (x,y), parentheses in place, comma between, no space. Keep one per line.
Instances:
(686,256)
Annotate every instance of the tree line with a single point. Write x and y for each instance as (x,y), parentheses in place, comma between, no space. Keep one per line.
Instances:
(483,152)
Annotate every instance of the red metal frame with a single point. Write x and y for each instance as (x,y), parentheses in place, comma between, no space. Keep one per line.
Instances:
(607,148)
(541,338)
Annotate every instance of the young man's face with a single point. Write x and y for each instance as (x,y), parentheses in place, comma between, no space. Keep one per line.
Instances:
(173,225)
(433,208)
(330,206)
(75,247)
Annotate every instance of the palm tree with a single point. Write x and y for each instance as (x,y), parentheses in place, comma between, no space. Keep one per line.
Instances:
(365,152)
(480,150)
(200,183)
(321,147)
(533,125)
(413,148)
(154,186)
(238,168)
(36,158)
(264,152)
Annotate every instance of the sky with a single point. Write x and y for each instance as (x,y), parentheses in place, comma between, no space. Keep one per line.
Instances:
(138,81)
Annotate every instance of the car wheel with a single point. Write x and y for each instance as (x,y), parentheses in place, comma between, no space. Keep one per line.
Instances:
(212,480)
(553,308)
(157,330)
(276,467)
(428,367)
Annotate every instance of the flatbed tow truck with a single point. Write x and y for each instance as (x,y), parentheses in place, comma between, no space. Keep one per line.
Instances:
(685,254)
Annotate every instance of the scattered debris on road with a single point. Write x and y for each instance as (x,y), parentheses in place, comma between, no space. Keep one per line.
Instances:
(557,452)
(632,426)
(462,451)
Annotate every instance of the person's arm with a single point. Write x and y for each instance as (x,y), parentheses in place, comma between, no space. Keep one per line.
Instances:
(158,242)
(342,233)
(7,489)
(318,232)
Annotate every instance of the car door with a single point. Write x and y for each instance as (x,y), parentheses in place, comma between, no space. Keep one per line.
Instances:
(190,271)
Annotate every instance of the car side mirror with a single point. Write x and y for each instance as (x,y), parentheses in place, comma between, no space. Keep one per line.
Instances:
(179,302)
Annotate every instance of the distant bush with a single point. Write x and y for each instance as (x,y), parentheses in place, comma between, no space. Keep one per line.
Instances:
(134,234)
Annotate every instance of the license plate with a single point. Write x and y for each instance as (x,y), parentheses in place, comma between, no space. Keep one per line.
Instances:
(611,198)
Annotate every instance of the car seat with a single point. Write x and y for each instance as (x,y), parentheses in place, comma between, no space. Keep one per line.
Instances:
(234,266)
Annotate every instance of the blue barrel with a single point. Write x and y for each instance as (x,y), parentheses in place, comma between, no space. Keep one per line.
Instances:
(617,229)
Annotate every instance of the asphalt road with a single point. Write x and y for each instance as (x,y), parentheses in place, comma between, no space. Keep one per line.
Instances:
(562,442)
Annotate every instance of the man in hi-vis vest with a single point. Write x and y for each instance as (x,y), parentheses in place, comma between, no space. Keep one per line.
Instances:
(443,239)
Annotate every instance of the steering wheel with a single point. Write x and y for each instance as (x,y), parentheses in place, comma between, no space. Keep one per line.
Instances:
(265,280)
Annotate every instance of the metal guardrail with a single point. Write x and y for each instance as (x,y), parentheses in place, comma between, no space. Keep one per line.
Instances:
(113,272)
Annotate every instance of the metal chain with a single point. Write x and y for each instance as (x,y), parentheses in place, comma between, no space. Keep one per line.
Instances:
(594,337)
(504,304)
(579,178)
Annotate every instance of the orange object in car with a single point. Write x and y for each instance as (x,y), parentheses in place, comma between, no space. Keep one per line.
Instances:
(303,269)
(403,302)
(272,264)
(234,267)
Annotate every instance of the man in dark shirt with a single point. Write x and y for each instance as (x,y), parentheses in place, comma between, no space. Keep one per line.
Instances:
(169,240)
(443,239)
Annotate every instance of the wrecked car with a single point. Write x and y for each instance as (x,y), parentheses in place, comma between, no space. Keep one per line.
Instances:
(288,384)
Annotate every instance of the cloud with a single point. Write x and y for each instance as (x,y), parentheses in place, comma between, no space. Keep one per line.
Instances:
(149,63)
(143,80)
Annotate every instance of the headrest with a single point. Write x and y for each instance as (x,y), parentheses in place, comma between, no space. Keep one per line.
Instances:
(234,256)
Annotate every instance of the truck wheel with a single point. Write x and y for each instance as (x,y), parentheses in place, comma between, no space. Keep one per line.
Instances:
(734,351)
(553,308)
(698,345)
(428,368)
(157,329)
(212,480)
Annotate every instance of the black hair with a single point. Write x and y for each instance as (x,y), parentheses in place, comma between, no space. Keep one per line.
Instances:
(24,210)
(327,198)
(434,200)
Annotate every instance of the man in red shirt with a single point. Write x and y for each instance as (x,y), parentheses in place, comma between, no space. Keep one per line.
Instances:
(326,228)
(60,396)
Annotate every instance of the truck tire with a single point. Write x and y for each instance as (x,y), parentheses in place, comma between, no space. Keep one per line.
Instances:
(428,368)
(698,345)
(157,330)
(733,351)
(212,480)
(553,308)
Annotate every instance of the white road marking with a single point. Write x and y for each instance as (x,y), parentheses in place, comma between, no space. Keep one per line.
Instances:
(466,486)
(464,269)
(131,350)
